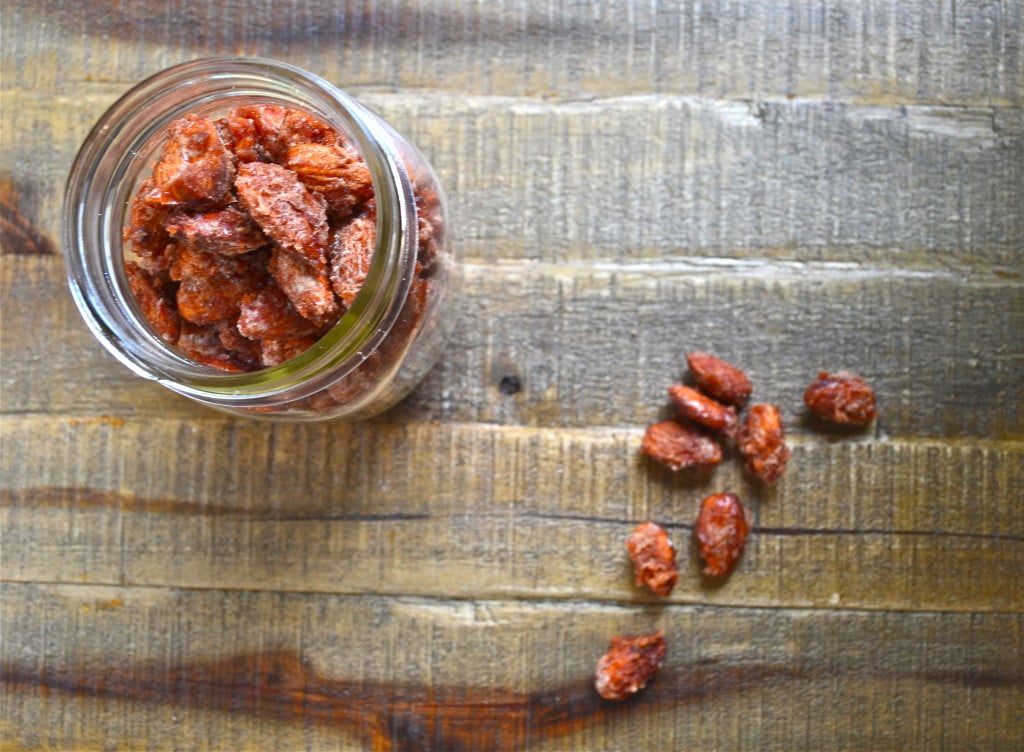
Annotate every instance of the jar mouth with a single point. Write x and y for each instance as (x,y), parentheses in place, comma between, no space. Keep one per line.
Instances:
(122,145)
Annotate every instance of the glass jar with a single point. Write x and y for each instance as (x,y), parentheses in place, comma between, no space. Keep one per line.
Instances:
(392,332)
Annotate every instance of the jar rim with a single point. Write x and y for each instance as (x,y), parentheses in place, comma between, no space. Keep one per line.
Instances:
(96,198)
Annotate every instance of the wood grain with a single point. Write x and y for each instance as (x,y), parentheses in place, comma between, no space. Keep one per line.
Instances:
(793,185)
(326,671)
(537,514)
(967,52)
(926,344)
(929,189)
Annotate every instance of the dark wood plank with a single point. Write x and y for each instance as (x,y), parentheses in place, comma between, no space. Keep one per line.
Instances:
(380,673)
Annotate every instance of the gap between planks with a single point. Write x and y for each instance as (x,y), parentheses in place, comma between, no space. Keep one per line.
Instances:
(397,418)
(549,603)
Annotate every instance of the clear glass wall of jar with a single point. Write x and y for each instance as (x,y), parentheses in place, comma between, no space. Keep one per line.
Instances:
(390,335)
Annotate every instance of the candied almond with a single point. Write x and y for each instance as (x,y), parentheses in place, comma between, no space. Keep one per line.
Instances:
(430,228)
(302,128)
(411,315)
(654,558)
(338,174)
(629,664)
(244,351)
(202,303)
(268,122)
(190,262)
(146,233)
(677,446)
(212,284)
(268,314)
(843,398)
(156,302)
(228,231)
(703,410)
(306,286)
(350,254)
(203,345)
(718,379)
(761,439)
(277,351)
(195,169)
(278,128)
(721,531)
(241,138)
(356,382)
(289,213)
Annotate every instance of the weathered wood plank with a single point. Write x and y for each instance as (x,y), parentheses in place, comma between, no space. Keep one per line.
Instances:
(599,346)
(328,672)
(967,52)
(792,185)
(471,512)
(657,178)
(650,178)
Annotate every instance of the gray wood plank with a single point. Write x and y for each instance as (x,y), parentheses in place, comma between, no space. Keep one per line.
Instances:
(598,347)
(966,52)
(651,178)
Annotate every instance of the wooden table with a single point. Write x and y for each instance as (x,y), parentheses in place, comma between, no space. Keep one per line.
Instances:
(792,186)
